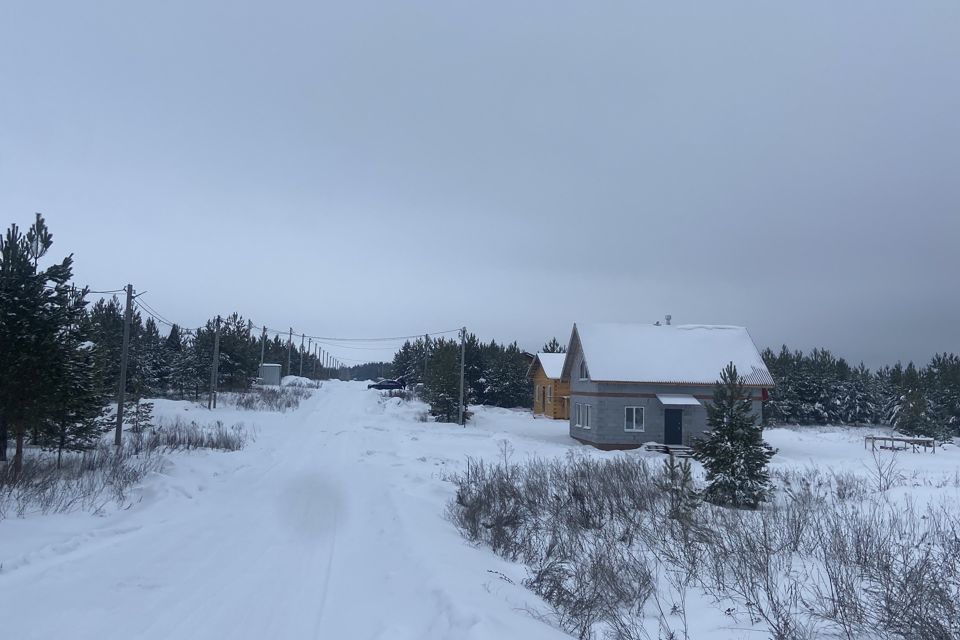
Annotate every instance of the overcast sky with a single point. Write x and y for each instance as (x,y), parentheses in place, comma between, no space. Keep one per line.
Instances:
(382,169)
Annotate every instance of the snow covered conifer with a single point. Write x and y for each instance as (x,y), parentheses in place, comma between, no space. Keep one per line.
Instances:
(733,451)
(442,384)
(37,308)
(677,484)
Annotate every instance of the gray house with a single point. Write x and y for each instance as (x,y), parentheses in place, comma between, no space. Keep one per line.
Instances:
(637,383)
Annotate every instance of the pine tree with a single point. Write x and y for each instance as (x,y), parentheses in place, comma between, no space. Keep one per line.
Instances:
(138,415)
(239,357)
(474,371)
(442,384)
(733,451)
(677,484)
(38,308)
(105,331)
(507,382)
(148,374)
(553,346)
(76,402)
(913,414)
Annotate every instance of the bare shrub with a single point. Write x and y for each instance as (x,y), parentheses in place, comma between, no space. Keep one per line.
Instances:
(86,480)
(280,399)
(884,471)
(180,435)
(613,545)
(89,480)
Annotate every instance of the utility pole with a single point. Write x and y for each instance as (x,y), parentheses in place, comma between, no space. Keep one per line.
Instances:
(215,368)
(463,338)
(301,354)
(426,355)
(128,312)
(263,346)
(289,349)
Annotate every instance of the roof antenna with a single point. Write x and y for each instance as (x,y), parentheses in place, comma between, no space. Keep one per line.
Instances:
(669,318)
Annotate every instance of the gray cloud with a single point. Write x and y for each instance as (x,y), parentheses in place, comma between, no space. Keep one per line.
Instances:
(391,168)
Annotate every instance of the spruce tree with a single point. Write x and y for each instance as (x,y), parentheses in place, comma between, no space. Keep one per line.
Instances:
(733,451)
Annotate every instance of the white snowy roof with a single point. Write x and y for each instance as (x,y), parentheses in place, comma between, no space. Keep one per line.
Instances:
(675,354)
(552,364)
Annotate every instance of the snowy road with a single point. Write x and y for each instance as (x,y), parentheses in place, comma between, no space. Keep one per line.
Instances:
(330,525)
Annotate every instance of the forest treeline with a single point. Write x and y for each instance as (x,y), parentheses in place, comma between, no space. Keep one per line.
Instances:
(60,354)
(821,388)
(60,365)
(494,374)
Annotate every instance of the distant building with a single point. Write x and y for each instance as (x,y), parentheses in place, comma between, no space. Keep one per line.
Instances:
(270,374)
(637,383)
(551,392)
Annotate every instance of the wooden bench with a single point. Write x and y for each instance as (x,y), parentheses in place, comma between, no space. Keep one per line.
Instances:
(899,443)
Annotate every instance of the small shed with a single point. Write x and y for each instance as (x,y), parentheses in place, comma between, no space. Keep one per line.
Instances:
(270,374)
(551,392)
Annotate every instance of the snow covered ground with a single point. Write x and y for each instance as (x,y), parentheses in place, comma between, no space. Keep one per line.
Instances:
(331,524)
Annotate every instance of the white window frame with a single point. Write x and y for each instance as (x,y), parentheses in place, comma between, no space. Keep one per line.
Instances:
(550,393)
(576,414)
(586,415)
(584,372)
(536,395)
(643,416)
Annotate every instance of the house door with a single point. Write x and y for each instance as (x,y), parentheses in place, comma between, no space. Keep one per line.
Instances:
(673,426)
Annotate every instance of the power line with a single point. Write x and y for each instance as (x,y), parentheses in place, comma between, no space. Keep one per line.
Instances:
(344,346)
(326,341)
(156,313)
(419,335)
(331,341)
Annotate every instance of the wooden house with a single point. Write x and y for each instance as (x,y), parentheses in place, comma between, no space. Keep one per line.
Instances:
(551,391)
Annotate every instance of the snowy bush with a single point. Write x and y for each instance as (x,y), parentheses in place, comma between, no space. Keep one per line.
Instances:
(89,480)
(86,480)
(607,546)
(178,435)
(280,399)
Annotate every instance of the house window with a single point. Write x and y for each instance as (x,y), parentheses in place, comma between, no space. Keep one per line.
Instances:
(584,374)
(633,419)
(536,393)
(550,393)
(581,415)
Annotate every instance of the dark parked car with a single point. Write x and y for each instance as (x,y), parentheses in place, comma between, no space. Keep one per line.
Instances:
(385,385)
